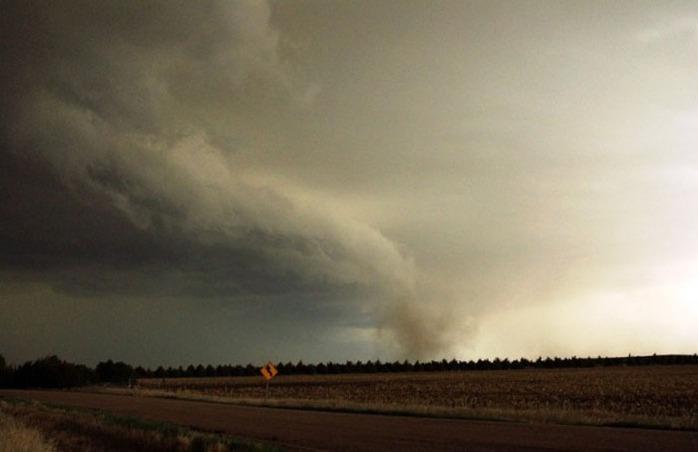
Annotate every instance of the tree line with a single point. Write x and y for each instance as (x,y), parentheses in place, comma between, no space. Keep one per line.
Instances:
(53,372)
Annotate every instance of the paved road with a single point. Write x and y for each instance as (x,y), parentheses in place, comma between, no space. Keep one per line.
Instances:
(314,430)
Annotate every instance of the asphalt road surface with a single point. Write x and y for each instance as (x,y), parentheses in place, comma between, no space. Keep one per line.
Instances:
(316,430)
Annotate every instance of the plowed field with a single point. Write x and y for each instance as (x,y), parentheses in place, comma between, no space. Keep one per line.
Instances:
(664,396)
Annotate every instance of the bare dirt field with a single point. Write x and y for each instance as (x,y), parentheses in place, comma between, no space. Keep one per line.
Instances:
(648,396)
(315,430)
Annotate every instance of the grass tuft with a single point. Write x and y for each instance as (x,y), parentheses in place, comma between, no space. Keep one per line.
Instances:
(15,436)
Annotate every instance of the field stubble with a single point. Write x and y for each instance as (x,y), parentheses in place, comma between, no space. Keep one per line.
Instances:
(652,396)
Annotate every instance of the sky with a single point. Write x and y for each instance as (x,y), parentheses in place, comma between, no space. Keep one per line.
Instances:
(241,181)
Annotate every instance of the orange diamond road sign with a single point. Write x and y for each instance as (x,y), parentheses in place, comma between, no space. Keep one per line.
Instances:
(269,371)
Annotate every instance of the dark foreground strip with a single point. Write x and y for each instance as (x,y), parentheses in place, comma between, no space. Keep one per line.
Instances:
(348,431)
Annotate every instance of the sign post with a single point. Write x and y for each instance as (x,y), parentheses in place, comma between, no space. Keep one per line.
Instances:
(268,372)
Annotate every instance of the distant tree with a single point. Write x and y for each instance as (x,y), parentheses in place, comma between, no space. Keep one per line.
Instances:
(286,368)
(52,372)
(484,364)
(5,373)
(521,363)
(140,372)
(104,371)
(369,367)
(114,372)
(159,372)
(379,366)
(251,370)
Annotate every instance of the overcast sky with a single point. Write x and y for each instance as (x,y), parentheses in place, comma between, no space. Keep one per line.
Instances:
(232,182)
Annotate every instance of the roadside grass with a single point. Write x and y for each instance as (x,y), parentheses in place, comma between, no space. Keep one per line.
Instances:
(69,428)
(15,436)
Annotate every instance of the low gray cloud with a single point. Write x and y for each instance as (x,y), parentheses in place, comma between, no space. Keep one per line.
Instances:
(128,132)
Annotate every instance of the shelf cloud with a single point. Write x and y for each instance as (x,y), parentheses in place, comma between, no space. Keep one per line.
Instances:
(243,181)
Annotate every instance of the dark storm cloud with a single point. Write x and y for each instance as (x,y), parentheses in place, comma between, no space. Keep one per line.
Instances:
(345,179)
(127,129)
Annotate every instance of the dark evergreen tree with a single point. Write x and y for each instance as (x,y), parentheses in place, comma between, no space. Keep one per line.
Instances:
(111,372)
(52,372)
(5,373)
